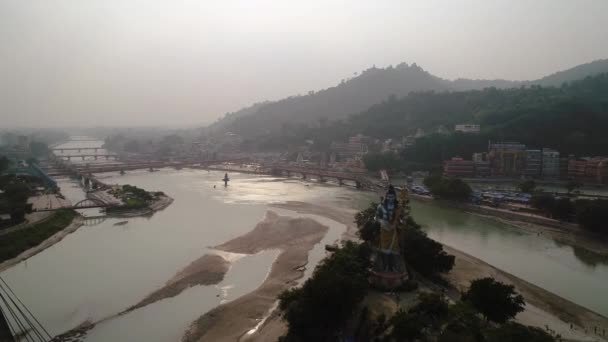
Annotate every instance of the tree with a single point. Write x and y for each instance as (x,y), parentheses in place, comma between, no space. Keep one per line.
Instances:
(4,163)
(432,308)
(448,188)
(425,255)
(319,309)
(527,186)
(382,161)
(406,326)
(496,301)
(592,214)
(572,185)
(39,149)
(16,195)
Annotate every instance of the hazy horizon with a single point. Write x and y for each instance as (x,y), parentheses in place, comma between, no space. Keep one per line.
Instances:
(154,63)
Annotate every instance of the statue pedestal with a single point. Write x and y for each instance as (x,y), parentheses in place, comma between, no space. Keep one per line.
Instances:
(388,280)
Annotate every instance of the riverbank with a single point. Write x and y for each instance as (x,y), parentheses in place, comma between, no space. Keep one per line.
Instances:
(543,307)
(295,237)
(41,235)
(564,232)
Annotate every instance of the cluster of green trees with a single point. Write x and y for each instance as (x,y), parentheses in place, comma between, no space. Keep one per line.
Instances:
(13,199)
(134,197)
(432,318)
(320,309)
(328,306)
(590,214)
(448,187)
(577,114)
(12,244)
(389,161)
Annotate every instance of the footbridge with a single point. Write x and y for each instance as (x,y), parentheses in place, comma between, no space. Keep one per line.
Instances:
(86,203)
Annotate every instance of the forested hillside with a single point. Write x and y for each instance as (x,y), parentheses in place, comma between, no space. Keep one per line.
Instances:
(372,87)
(572,118)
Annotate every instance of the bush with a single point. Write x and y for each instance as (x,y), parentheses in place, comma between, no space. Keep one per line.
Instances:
(448,188)
(592,214)
(516,332)
(319,309)
(496,301)
(425,255)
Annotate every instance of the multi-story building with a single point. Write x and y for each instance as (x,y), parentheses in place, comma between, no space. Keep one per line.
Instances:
(597,170)
(467,128)
(458,167)
(550,167)
(577,169)
(507,159)
(563,166)
(534,160)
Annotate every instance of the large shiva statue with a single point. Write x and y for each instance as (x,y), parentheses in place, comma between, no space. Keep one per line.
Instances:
(391,214)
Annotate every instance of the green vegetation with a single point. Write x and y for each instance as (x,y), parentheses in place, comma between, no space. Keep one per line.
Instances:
(527,186)
(497,302)
(575,112)
(12,244)
(319,309)
(39,149)
(593,215)
(512,331)
(329,306)
(13,200)
(420,252)
(134,197)
(448,188)
(382,161)
(4,164)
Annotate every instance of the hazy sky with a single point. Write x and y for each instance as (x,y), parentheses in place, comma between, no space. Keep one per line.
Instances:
(129,62)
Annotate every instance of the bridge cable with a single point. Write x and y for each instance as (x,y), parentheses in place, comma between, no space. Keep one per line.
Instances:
(22,329)
(8,322)
(27,319)
(28,323)
(26,309)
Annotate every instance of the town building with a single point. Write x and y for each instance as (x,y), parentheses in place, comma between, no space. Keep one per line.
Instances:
(563,167)
(534,163)
(589,170)
(507,159)
(467,128)
(458,167)
(550,162)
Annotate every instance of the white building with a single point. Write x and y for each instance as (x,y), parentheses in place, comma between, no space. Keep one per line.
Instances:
(467,128)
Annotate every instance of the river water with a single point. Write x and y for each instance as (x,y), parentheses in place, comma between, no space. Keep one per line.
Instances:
(103,268)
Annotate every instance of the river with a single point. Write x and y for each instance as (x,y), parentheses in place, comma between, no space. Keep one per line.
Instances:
(103,268)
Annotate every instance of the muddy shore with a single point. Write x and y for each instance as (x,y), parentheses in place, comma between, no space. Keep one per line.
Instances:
(295,237)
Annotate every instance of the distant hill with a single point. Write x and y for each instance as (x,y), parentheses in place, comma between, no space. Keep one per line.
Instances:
(358,94)
(572,74)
